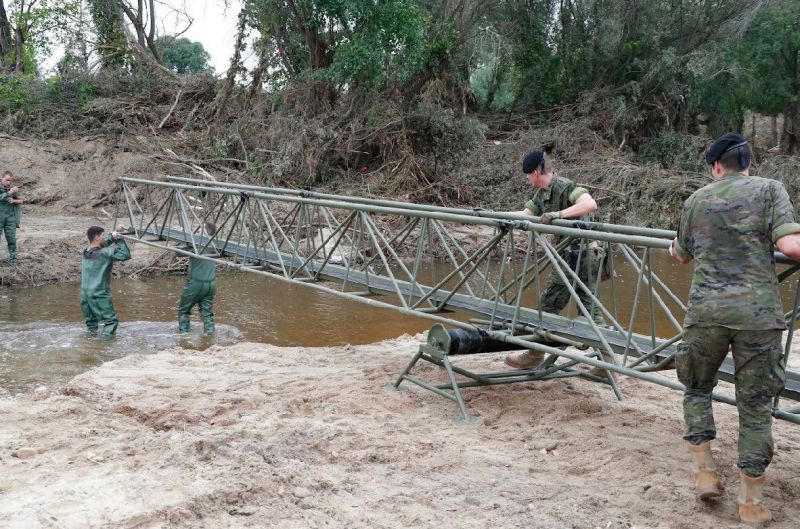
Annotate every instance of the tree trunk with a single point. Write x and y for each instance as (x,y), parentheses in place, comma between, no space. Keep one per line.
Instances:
(6,37)
(258,73)
(791,115)
(151,34)
(19,46)
(773,122)
(225,93)
(789,137)
(109,23)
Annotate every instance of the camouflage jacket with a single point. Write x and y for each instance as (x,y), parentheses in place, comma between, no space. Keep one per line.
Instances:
(729,228)
(560,194)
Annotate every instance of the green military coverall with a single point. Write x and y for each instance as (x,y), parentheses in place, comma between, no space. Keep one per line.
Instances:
(96,302)
(8,223)
(559,195)
(201,285)
(729,228)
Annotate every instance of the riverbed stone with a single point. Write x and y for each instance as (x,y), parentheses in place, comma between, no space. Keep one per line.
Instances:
(25,453)
(301,492)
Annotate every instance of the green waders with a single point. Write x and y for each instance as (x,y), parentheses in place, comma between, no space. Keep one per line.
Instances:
(8,223)
(8,226)
(98,308)
(201,293)
(201,285)
(96,303)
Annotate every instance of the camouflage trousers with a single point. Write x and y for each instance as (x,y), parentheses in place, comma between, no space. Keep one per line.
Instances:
(759,376)
(556,295)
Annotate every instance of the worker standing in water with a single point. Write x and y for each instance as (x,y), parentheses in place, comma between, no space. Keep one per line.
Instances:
(98,260)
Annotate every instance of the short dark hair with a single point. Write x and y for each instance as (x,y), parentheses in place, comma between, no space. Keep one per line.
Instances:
(211,229)
(736,159)
(93,232)
(7,173)
(547,165)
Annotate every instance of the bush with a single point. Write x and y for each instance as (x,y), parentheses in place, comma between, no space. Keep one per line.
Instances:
(675,151)
(15,94)
(437,133)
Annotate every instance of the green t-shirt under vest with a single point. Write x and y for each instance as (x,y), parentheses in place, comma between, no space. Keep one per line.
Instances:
(560,194)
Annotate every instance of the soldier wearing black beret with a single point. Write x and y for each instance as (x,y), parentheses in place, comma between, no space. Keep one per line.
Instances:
(555,197)
(730,229)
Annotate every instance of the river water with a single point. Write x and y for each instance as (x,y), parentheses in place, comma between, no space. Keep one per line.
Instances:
(42,338)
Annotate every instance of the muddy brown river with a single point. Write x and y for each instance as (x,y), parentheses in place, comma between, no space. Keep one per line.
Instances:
(42,338)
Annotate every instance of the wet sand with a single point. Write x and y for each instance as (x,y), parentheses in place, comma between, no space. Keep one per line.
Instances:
(253,435)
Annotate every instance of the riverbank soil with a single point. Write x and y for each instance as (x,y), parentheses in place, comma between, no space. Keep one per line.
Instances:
(69,185)
(49,248)
(253,435)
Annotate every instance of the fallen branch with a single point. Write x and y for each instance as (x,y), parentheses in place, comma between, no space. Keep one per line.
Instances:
(172,109)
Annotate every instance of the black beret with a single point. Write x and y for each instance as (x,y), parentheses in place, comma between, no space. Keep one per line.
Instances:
(724,144)
(532,161)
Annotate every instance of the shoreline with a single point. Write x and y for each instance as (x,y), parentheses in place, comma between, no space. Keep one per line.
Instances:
(251,435)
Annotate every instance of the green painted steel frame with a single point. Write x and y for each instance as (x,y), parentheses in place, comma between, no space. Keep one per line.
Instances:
(317,239)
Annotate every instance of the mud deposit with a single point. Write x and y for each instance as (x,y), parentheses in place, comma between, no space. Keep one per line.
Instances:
(253,435)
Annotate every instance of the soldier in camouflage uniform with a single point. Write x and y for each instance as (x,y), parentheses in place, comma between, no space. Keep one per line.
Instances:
(730,228)
(556,198)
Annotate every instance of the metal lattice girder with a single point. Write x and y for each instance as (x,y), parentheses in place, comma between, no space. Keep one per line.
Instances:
(408,258)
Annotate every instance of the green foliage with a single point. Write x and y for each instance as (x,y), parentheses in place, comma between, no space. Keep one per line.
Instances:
(109,25)
(76,90)
(652,61)
(183,56)
(38,27)
(439,134)
(14,94)
(353,43)
(769,53)
(494,89)
(724,99)
(675,151)
(494,84)
(386,43)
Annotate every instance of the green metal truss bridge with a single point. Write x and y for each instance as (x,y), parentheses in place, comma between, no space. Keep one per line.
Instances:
(412,258)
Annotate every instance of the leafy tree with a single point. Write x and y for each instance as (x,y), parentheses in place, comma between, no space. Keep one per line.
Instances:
(183,56)
(112,45)
(770,55)
(31,27)
(340,45)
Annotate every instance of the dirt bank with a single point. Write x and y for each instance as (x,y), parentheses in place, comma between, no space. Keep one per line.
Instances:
(69,185)
(49,249)
(258,436)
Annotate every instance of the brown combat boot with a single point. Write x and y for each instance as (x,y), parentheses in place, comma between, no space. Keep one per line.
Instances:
(706,482)
(599,371)
(525,359)
(750,496)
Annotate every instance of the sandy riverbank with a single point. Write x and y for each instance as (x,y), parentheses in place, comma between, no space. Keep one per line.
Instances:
(253,435)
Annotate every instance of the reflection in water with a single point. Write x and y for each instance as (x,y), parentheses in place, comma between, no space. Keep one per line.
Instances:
(42,341)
